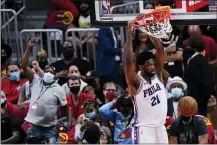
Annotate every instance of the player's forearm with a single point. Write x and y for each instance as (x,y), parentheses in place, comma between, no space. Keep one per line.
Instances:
(128,50)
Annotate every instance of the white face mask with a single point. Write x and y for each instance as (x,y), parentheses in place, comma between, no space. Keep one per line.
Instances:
(48,77)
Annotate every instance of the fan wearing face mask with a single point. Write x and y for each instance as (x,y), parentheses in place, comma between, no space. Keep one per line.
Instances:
(13,85)
(73,71)
(177,88)
(188,128)
(46,97)
(121,117)
(69,59)
(76,98)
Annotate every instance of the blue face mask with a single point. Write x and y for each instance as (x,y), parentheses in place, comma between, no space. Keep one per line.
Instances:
(15,76)
(48,77)
(177,92)
(91,115)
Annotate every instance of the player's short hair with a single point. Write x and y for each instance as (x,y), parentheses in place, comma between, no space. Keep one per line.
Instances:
(197,43)
(143,57)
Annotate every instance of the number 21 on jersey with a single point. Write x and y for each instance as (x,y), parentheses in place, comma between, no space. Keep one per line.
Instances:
(155,100)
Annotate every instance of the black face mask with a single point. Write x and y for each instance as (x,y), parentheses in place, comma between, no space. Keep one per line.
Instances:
(68,54)
(84,11)
(75,89)
(3,59)
(43,63)
(185,119)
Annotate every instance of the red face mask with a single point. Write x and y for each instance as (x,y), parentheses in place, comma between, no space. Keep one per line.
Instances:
(111,96)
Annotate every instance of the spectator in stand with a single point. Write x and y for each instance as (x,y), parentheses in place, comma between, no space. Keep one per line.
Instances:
(83,19)
(188,128)
(73,71)
(198,75)
(61,14)
(122,118)
(210,51)
(177,88)
(11,129)
(76,98)
(108,57)
(141,43)
(173,47)
(91,134)
(9,108)
(42,58)
(93,82)
(25,91)
(6,52)
(61,66)
(109,91)
(46,96)
(12,86)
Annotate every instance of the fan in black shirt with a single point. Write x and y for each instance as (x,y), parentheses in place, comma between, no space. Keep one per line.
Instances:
(62,66)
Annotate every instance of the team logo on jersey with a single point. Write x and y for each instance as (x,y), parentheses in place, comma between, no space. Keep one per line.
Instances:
(152,90)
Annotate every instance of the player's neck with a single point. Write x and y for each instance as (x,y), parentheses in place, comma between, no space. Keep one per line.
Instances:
(147,78)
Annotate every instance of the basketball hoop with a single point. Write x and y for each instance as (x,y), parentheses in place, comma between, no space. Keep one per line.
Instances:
(156,23)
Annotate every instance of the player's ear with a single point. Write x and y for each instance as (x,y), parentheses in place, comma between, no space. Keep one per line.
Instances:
(141,67)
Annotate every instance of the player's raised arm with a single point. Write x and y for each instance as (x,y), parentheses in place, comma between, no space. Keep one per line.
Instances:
(132,78)
(160,56)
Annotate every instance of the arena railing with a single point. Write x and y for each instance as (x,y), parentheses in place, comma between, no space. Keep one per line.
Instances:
(84,39)
(49,39)
(6,23)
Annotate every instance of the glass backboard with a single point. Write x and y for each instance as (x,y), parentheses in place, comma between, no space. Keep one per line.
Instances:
(184,12)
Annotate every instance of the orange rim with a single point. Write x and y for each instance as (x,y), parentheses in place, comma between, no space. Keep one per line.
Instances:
(159,14)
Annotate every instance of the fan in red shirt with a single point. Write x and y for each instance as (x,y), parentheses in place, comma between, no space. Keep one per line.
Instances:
(12,86)
(61,12)
(210,51)
(77,98)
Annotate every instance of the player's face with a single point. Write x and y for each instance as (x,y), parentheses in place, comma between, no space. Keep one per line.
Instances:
(149,67)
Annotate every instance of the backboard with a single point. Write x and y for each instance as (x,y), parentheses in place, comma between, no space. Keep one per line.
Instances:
(184,12)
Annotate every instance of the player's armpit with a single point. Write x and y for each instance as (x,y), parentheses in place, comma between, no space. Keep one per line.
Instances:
(173,140)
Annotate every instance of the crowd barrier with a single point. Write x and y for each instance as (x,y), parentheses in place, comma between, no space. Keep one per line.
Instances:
(8,33)
(85,41)
(49,39)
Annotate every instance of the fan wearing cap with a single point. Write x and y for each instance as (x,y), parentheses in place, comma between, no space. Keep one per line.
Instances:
(188,128)
(176,87)
(120,113)
(46,97)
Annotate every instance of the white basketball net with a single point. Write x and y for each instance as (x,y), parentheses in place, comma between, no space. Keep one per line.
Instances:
(161,29)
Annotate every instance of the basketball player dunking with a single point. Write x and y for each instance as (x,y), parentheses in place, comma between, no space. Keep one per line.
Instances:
(149,95)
